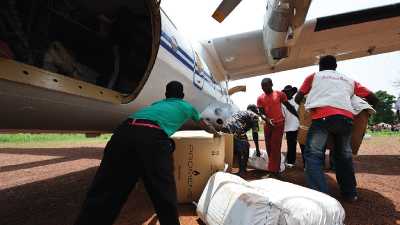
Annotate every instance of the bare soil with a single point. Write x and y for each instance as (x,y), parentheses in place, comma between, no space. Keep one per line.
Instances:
(46,185)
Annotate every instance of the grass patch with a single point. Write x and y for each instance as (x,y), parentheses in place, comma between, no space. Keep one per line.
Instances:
(36,138)
(384,133)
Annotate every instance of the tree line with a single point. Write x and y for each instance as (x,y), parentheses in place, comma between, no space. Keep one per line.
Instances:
(384,109)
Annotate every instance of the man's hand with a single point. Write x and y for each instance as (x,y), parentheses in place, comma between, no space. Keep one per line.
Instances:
(217,134)
(208,127)
(271,122)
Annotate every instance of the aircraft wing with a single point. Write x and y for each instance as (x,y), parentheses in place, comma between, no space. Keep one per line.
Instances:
(349,35)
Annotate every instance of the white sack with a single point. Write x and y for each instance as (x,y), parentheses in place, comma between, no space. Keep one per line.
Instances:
(300,205)
(229,200)
(261,163)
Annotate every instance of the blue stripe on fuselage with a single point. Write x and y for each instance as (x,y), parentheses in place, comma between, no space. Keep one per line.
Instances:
(186,58)
(180,58)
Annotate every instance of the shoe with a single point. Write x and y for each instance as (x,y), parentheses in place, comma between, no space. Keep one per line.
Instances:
(289,165)
(351,199)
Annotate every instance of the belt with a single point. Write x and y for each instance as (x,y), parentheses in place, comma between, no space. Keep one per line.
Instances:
(144,123)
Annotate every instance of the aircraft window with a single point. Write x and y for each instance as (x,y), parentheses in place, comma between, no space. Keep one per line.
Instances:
(85,40)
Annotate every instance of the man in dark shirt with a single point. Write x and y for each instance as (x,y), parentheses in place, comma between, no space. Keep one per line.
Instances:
(238,125)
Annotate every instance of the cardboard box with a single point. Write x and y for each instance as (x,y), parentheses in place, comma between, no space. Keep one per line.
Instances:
(229,156)
(197,156)
(360,123)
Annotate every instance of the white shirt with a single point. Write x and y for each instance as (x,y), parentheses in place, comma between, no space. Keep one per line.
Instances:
(330,88)
(291,121)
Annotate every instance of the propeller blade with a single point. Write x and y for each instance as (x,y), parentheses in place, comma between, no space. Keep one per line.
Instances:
(224,9)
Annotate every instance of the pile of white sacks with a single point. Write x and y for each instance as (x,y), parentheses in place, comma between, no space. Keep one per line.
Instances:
(228,199)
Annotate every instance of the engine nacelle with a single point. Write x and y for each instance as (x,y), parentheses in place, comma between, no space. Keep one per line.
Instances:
(282,23)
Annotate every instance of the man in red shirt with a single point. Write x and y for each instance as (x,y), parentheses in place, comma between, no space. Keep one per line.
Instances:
(328,100)
(270,107)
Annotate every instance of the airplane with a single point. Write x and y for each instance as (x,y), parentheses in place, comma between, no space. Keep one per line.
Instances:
(84,66)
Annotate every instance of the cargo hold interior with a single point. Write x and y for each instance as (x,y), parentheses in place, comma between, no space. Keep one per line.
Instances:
(106,43)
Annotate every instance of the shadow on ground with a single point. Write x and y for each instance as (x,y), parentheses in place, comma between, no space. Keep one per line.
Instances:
(62,154)
(58,200)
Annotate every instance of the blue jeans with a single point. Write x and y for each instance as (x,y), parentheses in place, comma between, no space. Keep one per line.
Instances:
(241,149)
(339,128)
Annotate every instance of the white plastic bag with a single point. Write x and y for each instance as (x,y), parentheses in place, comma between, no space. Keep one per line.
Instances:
(299,205)
(261,163)
(229,200)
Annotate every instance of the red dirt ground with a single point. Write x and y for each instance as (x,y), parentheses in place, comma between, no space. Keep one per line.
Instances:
(46,186)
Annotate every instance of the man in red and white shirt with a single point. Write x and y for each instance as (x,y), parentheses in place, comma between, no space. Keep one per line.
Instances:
(328,99)
(269,104)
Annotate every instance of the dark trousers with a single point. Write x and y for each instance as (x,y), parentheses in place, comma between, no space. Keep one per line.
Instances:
(133,152)
(339,127)
(291,140)
(241,148)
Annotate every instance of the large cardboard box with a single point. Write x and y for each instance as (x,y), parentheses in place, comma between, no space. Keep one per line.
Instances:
(229,155)
(197,156)
(360,123)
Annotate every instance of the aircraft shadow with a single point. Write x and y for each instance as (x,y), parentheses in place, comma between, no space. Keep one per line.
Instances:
(59,199)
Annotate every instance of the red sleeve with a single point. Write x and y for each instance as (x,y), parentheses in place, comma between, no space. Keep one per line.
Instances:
(283,97)
(306,86)
(360,90)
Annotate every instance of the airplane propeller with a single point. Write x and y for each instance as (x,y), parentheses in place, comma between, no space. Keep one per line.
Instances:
(224,9)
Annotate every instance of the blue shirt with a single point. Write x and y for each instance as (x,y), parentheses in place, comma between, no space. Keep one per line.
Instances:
(170,114)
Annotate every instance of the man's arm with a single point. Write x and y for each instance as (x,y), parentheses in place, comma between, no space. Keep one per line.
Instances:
(372,100)
(264,117)
(364,92)
(304,89)
(290,108)
(208,127)
(255,139)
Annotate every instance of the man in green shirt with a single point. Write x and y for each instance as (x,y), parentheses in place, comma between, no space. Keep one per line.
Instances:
(141,148)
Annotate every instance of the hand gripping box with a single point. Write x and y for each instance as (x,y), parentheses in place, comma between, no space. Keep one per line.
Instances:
(197,156)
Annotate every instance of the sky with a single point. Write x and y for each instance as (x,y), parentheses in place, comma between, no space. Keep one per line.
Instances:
(193,20)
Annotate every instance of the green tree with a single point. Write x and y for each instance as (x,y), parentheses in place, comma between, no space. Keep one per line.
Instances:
(384,112)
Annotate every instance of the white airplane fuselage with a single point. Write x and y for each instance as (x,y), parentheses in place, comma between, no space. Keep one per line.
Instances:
(34,100)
